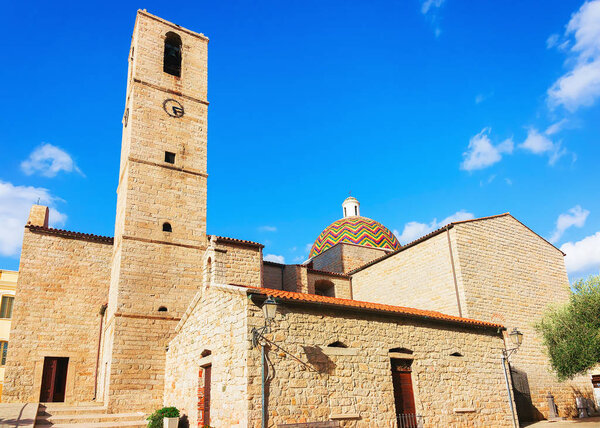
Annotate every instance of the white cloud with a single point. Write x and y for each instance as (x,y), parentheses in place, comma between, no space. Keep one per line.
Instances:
(414,230)
(580,86)
(49,160)
(275,258)
(540,144)
(582,255)
(481,153)
(552,41)
(268,229)
(428,5)
(556,127)
(576,216)
(15,203)
(508,181)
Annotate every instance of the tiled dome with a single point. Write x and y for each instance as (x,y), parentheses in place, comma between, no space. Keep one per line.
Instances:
(355,230)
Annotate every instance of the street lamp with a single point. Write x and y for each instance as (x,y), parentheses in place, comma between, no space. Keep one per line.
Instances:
(269,309)
(517,339)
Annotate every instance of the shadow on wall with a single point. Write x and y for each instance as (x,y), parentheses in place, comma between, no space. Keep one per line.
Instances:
(318,359)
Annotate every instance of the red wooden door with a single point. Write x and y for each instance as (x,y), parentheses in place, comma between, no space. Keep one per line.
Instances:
(207,375)
(54,379)
(403,393)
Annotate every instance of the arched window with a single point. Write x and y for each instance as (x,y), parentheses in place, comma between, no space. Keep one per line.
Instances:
(167,227)
(162,309)
(337,344)
(172,58)
(324,288)
(401,350)
(3,350)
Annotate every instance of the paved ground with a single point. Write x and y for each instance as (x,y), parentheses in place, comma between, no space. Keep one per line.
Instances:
(17,415)
(576,423)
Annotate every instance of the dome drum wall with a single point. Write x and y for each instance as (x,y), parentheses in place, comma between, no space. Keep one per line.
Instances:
(355,230)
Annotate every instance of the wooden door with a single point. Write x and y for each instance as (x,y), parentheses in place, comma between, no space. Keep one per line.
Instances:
(54,379)
(207,375)
(403,393)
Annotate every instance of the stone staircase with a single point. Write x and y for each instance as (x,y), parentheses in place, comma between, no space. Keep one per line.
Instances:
(88,415)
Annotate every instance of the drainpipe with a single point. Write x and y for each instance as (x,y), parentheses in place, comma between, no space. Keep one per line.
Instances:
(102,312)
(263,398)
(510,401)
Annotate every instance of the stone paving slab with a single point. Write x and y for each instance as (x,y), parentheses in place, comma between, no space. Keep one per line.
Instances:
(575,423)
(19,415)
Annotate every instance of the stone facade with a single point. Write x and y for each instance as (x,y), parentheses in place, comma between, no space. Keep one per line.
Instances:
(504,273)
(63,282)
(160,230)
(419,276)
(313,382)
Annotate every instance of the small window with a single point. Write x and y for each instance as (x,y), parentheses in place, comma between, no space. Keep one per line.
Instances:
(6,306)
(172,58)
(169,157)
(355,210)
(401,350)
(324,288)
(345,213)
(167,227)
(337,344)
(456,354)
(162,309)
(3,349)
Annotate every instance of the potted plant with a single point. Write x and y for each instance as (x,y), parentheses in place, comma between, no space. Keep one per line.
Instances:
(167,417)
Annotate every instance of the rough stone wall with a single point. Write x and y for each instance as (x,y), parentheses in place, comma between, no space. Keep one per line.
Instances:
(357,380)
(62,284)
(242,264)
(341,284)
(273,275)
(418,277)
(510,276)
(216,321)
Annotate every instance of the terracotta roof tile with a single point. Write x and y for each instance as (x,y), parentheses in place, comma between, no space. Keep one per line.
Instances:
(356,304)
(71,234)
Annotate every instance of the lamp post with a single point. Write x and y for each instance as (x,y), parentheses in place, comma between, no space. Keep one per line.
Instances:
(517,338)
(269,309)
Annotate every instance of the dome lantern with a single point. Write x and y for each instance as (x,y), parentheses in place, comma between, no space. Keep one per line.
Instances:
(351,207)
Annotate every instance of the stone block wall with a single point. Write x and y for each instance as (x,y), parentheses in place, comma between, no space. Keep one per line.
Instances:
(341,284)
(242,263)
(273,275)
(419,276)
(215,322)
(342,258)
(62,284)
(355,385)
(510,276)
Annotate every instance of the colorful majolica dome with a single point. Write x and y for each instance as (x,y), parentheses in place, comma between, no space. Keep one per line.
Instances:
(354,229)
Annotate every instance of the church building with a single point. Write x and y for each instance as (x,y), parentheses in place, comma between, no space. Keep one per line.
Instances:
(366,333)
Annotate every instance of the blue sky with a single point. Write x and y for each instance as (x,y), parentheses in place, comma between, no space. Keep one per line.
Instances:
(426,111)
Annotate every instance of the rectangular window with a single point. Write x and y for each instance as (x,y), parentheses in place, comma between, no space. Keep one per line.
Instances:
(6,306)
(169,157)
(3,350)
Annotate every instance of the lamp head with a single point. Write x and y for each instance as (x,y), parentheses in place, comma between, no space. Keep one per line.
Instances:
(269,308)
(516,336)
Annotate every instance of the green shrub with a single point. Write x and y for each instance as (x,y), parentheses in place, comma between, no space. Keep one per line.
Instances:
(156,418)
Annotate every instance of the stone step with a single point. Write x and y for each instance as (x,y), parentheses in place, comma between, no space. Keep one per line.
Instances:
(53,420)
(108,424)
(58,409)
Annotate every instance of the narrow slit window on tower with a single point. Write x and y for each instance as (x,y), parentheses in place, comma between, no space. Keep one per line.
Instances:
(172,58)
(169,157)
(167,227)
(355,210)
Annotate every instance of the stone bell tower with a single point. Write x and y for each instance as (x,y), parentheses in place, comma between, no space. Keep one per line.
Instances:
(160,230)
